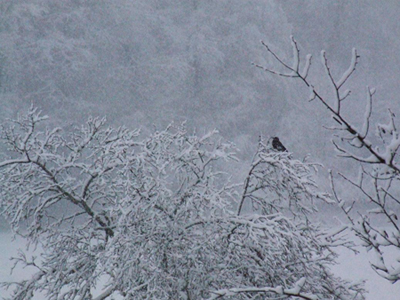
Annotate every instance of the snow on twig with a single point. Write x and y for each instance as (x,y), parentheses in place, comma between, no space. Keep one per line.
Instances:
(353,64)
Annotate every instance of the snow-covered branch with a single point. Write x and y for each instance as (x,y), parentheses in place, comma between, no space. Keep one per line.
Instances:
(160,218)
(356,136)
(293,292)
(379,170)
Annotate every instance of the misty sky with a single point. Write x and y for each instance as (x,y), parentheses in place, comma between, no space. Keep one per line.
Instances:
(145,64)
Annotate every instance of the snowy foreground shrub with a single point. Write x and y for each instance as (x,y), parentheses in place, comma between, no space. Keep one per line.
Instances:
(376,152)
(158,218)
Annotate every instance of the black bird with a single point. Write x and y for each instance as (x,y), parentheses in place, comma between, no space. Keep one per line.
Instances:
(277,145)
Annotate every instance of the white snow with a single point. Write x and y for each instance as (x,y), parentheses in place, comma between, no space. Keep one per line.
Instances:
(298,286)
(295,65)
(351,266)
(356,267)
(367,114)
(351,68)
(307,66)
(391,149)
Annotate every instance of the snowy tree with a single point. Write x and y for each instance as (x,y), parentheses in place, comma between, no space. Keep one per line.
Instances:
(375,151)
(158,218)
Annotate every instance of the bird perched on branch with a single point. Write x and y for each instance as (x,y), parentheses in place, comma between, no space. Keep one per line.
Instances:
(277,145)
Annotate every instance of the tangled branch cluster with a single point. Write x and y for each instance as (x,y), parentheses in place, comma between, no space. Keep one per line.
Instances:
(158,218)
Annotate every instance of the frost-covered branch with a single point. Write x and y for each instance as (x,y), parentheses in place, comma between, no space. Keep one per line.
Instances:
(379,170)
(159,218)
(294,292)
(357,136)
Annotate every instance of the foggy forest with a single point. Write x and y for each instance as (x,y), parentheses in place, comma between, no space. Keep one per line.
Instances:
(199,149)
